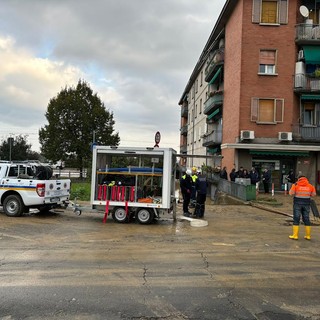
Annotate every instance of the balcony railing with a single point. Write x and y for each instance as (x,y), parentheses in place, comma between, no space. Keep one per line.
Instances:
(215,100)
(306,31)
(212,138)
(216,60)
(184,130)
(183,149)
(184,111)
(306,132)
(306,83)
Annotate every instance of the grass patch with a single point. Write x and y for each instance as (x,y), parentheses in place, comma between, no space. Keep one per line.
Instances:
(268,201)
(80,190)
(265,199)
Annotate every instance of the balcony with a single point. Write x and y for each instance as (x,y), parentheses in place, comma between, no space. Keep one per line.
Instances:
(216,61)
(184,130)
(213,138)
(306,133)
(213,101)
(184,111)
(183,148)
(307,33)
(306,83)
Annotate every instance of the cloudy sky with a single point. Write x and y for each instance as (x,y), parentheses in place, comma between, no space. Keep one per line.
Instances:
(137,55)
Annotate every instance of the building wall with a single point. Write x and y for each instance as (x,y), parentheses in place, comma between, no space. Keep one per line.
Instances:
(280,38)
(197,122)
(232,85)
(243,41)
(242,82)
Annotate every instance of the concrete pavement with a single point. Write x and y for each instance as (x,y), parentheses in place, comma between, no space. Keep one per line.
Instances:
(241,266)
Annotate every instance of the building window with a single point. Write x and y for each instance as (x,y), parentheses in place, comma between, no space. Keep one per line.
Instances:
(267,61)
(267,111)
(196,112)
(201,78)
(200,106)
(311,114)
(270,11)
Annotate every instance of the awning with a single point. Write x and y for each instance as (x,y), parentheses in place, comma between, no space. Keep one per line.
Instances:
(213,114)
(279,153)
(215,150)
(215,76)
(311,54)
(310,97)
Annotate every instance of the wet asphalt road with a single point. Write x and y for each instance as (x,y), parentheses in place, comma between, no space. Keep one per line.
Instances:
(241,266)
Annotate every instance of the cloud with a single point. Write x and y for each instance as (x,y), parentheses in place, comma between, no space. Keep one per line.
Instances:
(136,55)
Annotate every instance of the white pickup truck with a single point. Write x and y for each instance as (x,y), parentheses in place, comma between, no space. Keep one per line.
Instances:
(27,185)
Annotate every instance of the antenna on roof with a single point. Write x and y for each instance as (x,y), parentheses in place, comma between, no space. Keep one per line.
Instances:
(304,11)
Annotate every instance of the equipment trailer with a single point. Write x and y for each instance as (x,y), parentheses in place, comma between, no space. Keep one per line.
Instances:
(133,182)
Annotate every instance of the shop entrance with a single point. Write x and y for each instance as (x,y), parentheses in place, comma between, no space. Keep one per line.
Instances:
(279,169)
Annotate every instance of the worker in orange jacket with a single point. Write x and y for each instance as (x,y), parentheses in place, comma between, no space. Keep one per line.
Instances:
(302,191)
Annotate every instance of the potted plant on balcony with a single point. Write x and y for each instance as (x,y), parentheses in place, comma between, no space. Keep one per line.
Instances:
(317,73)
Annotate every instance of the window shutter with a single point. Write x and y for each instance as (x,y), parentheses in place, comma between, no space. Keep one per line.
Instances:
(279,110)
(269,12)
(256,4)
(283,12)
(266,110)
(254,109)
(268,57)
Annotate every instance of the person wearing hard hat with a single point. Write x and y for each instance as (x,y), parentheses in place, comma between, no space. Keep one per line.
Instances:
(194,177)
(302,191)
(201,188)
(186,186)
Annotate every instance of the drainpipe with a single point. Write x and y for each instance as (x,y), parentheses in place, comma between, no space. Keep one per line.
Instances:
(193,119)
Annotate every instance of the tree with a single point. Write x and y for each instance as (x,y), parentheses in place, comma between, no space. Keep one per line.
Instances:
(17,148)
(74,117)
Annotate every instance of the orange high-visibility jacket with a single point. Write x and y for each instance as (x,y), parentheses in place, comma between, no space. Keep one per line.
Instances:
(302,190)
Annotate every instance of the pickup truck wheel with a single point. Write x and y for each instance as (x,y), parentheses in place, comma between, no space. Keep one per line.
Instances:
(145,216)
(119,214)
(13,206)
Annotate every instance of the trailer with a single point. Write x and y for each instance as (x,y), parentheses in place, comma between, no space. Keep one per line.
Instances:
(133,183)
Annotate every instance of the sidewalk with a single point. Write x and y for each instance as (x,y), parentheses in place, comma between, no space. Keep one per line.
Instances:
(279,203)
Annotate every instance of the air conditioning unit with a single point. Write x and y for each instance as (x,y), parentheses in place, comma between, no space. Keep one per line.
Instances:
(246,135)
(285,136)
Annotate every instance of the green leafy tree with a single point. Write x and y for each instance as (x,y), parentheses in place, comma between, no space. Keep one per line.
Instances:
(75,117)
(17,148)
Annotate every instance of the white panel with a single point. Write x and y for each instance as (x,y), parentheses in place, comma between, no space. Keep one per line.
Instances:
(300,67)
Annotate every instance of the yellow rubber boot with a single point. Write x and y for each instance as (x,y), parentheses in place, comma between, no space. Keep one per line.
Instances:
(308,233)
(295,233)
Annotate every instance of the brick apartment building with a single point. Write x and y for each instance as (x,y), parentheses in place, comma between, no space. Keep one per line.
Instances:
(253,98)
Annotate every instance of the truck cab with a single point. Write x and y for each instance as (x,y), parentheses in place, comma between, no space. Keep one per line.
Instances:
(25,185)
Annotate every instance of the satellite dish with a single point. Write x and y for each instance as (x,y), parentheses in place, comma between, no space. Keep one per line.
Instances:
(304,11)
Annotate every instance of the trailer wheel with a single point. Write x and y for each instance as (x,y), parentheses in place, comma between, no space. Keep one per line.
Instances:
(145,216)
(13,206)
(119,214)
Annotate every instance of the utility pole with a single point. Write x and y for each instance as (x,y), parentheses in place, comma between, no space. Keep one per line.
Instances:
(10,142)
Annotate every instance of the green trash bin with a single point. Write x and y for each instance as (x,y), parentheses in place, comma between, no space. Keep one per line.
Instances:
(250,192)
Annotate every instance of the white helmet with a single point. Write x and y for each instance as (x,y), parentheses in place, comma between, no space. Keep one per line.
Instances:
(188,172)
